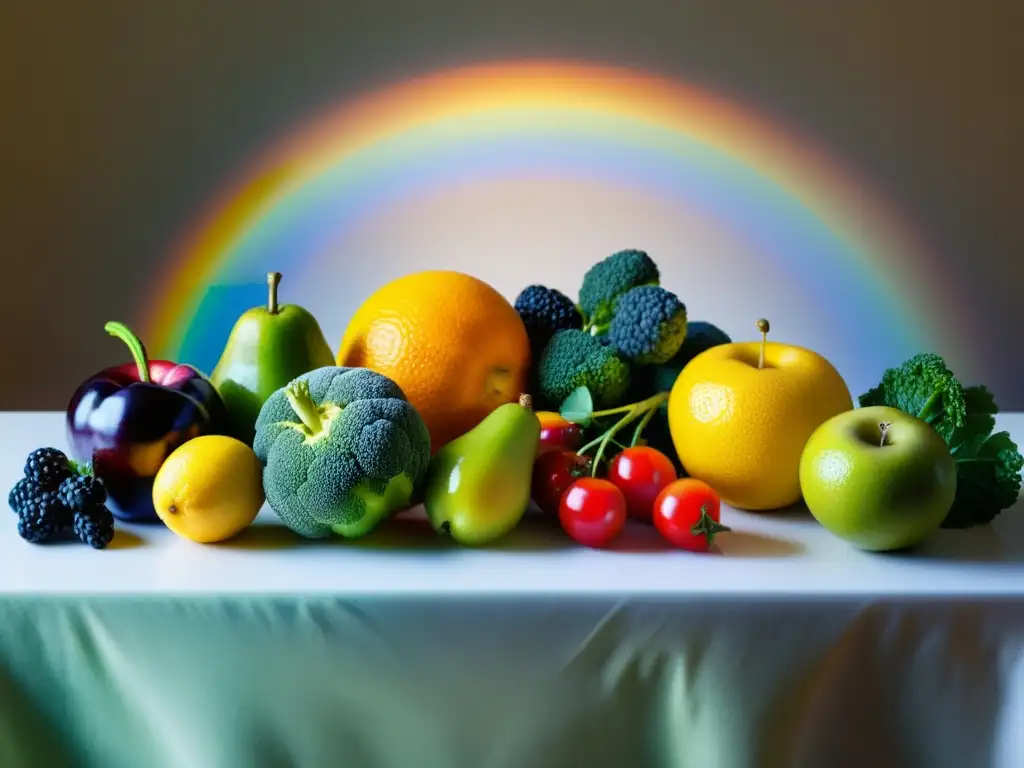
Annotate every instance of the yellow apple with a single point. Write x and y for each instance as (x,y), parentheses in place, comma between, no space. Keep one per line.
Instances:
(740,415)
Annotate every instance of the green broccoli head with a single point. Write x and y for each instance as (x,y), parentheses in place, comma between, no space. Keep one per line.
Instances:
(342,449)
(925,387)
(609,279)
(572,359)
(649,325)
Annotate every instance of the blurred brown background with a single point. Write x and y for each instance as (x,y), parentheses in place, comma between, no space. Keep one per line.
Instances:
(122,119)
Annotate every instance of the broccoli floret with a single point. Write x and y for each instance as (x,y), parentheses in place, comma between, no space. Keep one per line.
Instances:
(988,463)
(648,326)
(923,386)
(573,358)
(342,449)
(607,280)
(544,312)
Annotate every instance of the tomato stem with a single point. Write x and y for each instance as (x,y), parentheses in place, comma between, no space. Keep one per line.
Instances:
(707,525)
(645,408)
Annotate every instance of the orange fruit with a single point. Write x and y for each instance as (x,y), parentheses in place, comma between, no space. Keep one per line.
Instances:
(742,429)
(455,346)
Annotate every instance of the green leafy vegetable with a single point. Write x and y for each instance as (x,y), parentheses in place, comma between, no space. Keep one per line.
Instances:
(988,464)
(925,387)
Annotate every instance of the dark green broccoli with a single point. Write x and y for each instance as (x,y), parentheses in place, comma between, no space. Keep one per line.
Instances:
(607,280)
(342,449)
(574,358)
(925,387)
(989,464)
(648,326)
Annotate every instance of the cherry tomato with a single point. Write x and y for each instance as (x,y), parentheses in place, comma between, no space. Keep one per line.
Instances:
(557,433)
(641,473)
(593,511)
(687,514)
(553,473)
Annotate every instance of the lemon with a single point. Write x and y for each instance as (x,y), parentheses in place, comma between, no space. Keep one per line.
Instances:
(209,489)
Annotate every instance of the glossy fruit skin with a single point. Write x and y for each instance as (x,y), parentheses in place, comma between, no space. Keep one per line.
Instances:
(556,433)
(126,428)
(678,511)
(641,473)
(478,485)
(878,498)
(593,512)
(457,348)
(265,352)
(553,473)
(742,429)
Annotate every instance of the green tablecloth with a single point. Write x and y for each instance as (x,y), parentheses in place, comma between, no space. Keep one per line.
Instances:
(274,682)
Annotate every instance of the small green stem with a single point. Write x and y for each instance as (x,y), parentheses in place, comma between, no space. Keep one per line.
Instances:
(708,525)
(122,332)
(657,399)
(645,408)
(641,426)
(298,397)
(608,436)
(928,409)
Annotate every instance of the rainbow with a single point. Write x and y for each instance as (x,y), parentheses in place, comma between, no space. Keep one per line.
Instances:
(805,211)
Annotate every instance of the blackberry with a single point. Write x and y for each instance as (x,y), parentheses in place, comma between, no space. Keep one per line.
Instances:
(48,467)
(23,492)
(94,525)
(43,519)
(544,312)
(81,492)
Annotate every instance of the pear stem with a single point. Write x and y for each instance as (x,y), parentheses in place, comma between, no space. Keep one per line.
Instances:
(273,280)
(763,327)
(883,430)
(526,401)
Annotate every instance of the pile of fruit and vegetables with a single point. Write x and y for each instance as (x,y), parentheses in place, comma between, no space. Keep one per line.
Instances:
(607,409)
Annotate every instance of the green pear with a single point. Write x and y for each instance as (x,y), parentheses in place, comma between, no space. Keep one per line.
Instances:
(268,348)
(478,485)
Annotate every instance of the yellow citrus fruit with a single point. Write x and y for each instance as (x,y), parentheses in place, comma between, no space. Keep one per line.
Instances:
(455,346)
(209,489)
(742,428)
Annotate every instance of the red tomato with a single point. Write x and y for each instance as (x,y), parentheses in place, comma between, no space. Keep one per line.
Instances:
(557,433)
(553,473)
(593,511)
(688,514)
(641,473)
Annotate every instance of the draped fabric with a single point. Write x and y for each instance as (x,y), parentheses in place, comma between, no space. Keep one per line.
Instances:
(312,682)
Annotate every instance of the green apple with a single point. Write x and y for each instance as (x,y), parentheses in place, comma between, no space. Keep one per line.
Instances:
(878,478)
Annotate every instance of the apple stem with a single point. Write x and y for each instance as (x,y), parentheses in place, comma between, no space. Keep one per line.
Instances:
(273,280)
(763,327)
(883,429)
(122,332)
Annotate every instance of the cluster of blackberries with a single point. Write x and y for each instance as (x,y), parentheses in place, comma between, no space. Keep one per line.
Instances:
(54,497)
(544,312)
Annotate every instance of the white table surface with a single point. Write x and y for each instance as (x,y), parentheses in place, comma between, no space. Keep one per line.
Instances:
(786,555)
